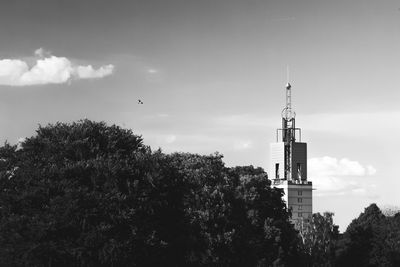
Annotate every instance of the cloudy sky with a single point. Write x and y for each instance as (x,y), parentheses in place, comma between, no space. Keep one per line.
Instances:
(211,74)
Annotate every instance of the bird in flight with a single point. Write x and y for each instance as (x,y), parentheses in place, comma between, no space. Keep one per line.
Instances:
(140,102)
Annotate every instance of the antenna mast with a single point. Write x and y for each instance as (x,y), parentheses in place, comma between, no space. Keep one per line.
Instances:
(287,73)
(288,131)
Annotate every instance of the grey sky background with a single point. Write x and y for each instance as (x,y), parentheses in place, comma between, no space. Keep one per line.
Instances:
(211,75)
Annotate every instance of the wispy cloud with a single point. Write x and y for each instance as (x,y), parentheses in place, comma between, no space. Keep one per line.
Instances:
(88,72)
(48,69)
(332,176)
(152,71)
(154,75)
(42,53)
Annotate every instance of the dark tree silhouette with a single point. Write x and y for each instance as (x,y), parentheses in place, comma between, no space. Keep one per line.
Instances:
(370,240)
(88,194)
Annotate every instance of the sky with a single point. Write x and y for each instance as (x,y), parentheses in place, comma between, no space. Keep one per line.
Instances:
(212,74)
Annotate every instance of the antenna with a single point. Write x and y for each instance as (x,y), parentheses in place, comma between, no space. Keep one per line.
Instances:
(287,112)
(287,73)
(288,131)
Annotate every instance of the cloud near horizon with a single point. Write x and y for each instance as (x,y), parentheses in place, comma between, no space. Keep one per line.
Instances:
(48,69)
(332,176)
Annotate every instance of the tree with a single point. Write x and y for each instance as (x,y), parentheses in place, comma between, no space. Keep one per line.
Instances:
(264,236)
(236,218)
(366,241)
(78,194)
(319,237)
(392,240)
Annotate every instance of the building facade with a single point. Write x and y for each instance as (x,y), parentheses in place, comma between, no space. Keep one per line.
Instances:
(289,165)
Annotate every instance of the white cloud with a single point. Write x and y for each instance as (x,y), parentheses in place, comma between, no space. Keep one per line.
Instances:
(328,166)
(87,72)
(42,53)
(47,70)
(331,176)
(39,52)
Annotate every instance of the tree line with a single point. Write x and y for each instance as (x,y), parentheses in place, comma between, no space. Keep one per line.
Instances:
(89,194)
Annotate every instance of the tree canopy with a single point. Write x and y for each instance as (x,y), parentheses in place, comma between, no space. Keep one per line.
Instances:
(372,239)
(89,194)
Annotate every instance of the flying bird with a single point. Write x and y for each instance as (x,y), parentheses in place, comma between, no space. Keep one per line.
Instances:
(140,102)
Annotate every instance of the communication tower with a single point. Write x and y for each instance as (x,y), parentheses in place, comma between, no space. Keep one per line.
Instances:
(289,162)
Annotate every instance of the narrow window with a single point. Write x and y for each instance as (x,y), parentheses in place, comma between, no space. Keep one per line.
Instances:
(277,170)
(300,214)
(299,171)
(299,193)
(300,207)
(300,200)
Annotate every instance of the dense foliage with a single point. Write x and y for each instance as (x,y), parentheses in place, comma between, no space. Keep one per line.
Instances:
(372,239)
(88,194)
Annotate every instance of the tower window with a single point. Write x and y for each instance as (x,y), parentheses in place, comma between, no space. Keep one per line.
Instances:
(299,172)
(277,170)
(300,214)
(300,200)
(299,193)
(300,207)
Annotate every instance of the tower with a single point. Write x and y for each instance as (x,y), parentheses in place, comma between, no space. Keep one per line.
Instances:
(289,164)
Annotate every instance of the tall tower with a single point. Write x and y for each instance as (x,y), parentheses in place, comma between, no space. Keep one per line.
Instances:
(289,164)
